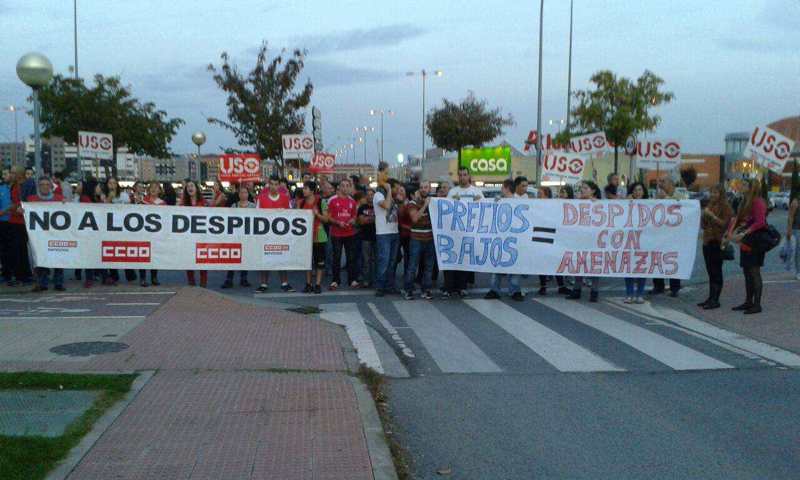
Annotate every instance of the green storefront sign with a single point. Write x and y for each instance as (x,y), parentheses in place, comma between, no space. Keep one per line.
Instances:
(493,161)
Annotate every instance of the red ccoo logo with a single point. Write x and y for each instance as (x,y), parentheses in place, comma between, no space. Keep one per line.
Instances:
(125,252)
(218,253)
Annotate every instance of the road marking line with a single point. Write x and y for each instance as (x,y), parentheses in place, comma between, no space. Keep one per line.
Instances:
(347,315)
(398,340)
(557,350)
(135,304)
(713,332)
(666,351)
(450,348)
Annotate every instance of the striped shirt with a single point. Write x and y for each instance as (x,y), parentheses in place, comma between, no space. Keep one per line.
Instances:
(421,229)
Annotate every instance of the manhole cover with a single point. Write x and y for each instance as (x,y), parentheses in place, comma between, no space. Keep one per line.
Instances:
(85,349)
(305,310)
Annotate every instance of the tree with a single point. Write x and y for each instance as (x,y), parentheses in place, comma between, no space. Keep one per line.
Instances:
(69,106)
(470,122)
(618,106)
(263,105)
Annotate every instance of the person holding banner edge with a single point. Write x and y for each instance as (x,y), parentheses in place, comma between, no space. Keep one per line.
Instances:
(588,191)
(666,190)
(273,197)
(46,194)
(193,197)
(242,201)
(455,281)
(506,191)
(634,287)
(152,197)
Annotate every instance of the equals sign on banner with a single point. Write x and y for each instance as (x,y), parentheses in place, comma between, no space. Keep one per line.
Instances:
(539,239)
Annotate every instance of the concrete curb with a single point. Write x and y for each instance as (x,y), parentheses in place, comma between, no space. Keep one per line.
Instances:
(379,454)
(66,466)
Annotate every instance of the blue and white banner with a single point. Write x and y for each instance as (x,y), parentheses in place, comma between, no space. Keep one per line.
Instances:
(602,238)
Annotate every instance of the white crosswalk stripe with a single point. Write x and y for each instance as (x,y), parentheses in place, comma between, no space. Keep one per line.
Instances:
(665,350)
(452,350)
(348,315)
(560,352)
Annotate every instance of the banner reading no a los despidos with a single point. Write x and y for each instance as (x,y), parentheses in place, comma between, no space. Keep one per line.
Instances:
(64,235)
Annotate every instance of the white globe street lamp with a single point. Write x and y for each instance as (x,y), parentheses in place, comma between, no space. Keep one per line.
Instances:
(35,71)
(199,138)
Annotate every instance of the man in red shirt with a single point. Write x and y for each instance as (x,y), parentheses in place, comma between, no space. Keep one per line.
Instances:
(46,194)
(342,214)
(272,197)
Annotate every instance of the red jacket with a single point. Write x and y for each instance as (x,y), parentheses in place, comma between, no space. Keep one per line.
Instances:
(264,201)
(57,197)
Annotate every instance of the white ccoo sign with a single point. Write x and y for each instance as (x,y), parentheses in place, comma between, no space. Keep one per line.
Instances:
(95,145)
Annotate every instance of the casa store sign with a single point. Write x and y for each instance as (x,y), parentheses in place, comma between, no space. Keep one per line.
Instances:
(218,253)
(658,154)
(323,163)
(771,149)
(240,167)
(125,252)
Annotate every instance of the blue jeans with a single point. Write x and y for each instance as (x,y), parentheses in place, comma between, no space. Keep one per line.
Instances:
(43,277)
(638,283)
(513,282)
(420,251)
(388,244)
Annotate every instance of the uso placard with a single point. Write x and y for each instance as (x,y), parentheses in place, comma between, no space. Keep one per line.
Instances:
(563,166)
(323,162)
(240,167)
(772,149)
(658,154)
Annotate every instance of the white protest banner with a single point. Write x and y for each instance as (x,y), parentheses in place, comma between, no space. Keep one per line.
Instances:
(590,144)
(658,154)
(563,166)
(95,145)
(298,146)
(771,149)
(602,238)
(67,235)
(322,163)
(240,167)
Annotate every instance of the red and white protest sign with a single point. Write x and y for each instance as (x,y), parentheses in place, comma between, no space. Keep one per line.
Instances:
(323,163)
(658,154)
(95,145)
(590,144)
(563,166)
(297,146)
(240,167)
(771,149)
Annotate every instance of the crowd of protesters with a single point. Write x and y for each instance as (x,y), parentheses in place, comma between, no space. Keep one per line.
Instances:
(378,230)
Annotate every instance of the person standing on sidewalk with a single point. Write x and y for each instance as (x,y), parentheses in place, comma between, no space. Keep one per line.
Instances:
(666,190)
(311,201)
(242,201)
(366,222)
(17,232)
(589,191)
(386,232)
(342,214)
(455,281)
(152,197)
(273,197)
(506,191)
(751,218)
(793,231)
(421,248)
(715,218)
(634,287)
(46,194)
(193,197)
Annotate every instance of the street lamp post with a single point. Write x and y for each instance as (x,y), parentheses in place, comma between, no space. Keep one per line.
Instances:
(364,130)
(13,109)
(381,112)
(35,71)
(539,99)
(199,138)
(424,73)
(569,68)
(75,33)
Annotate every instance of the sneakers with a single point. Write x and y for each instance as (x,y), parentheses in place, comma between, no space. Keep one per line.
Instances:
(354,284)
(262,288)
(463,294)
(445,294)
(317,289)
(628,300)
(333,286)
(286,288)
(638,300)
(517,297)
(491,295)
(426,295)
(409,295)
(227,284)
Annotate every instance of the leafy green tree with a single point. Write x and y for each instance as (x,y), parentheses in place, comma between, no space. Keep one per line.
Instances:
(69,106)
(263,104)
(618,106)
(454,126)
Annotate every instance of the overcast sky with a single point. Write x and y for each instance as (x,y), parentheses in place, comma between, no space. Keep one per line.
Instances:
(732,64)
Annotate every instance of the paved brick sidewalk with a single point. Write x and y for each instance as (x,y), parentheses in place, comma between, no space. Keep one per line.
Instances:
(778,324)
(241,392)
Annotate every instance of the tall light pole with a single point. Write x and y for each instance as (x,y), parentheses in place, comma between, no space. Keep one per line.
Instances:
(13,109)
(569,68)
(424,73)
(539,99)
(75,33)
(35,71)
(199,138)
(381,112)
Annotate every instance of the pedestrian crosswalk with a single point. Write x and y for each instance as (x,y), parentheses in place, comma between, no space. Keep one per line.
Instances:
(477,336)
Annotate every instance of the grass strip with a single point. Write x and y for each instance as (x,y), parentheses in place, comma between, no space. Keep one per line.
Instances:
(31,458)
